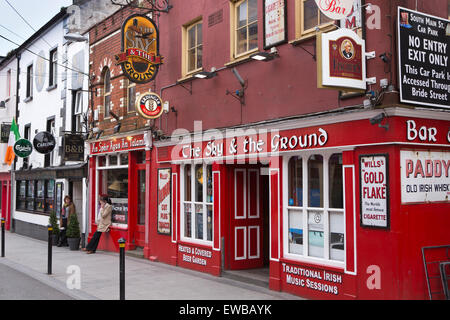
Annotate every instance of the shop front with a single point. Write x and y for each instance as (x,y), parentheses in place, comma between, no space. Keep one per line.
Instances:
(117,168)
(324,203)
(5,198)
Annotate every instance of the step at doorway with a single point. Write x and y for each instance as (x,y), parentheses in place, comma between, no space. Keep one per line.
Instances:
(259,276)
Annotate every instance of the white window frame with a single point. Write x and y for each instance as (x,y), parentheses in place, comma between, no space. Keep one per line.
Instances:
(8,84)
(131,85)
(193,203)
(78,111)
(325,261)
(107,94)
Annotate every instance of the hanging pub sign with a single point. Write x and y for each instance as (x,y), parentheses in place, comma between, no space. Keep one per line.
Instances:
(149,105)
(341,62)
(335,9)
(140,57)
(423,59)
(44,142)
(23,148)
(274,22)
(164,201)
(73,147)
(374,190)
(6,128)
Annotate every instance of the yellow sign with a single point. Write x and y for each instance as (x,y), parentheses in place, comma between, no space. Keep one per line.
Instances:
(140,57)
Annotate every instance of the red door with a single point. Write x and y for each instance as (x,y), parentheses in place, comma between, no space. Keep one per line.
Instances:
(246,221)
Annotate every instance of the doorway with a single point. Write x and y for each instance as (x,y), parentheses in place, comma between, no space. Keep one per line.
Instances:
(248,220)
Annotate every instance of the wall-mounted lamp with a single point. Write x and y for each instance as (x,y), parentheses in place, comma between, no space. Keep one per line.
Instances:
(117,127)
(99,134)
(206,74)
(378,119)
(75,37)
(265,56)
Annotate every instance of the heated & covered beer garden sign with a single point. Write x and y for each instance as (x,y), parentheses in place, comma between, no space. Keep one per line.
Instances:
(140,58)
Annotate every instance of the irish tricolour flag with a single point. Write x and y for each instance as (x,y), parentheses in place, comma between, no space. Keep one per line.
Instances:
(14,135)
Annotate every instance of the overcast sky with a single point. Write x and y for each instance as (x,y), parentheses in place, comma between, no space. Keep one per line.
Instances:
(36,12)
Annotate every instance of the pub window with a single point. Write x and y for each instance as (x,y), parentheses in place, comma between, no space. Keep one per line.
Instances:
(107,92)
(131,96)
(40,195)
(197,202)
(194,47)
(50,196)
(315,211)
(29,92)
(53,67)
(308,17)
(21,203)
(244,27)
(30,195)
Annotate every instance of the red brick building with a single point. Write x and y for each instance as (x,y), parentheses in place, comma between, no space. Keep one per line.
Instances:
(277,174)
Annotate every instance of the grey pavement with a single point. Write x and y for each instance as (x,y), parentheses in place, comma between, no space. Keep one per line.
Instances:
(99,275)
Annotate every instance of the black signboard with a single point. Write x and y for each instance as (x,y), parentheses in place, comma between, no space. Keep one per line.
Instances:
(423,49)
(44,142)
(119,211)
(6,128)
(73,147)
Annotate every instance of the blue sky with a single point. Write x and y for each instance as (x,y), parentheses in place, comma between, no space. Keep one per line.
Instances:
(36,12)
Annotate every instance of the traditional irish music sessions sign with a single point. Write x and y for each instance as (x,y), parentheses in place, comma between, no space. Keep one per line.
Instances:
(140,58)
(423,53)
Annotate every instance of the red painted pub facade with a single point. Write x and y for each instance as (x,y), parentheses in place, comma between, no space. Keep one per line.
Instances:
(254,167)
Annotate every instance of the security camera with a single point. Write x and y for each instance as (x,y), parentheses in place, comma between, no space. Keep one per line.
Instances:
(377,118)
(236,73)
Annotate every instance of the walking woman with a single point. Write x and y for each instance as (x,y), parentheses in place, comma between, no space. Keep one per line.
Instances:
(103,224)
(67,210)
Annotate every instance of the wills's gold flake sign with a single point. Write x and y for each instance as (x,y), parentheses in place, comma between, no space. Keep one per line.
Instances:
(140,57)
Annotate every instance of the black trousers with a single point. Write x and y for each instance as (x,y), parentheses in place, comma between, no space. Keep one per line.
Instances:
(62,233)
(92,245)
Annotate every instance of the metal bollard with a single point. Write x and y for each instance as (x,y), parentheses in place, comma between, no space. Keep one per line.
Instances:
(122,242)
(3,237)
(49,263)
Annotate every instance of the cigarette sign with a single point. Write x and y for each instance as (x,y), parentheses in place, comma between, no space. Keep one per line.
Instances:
(374,191)
(425,176)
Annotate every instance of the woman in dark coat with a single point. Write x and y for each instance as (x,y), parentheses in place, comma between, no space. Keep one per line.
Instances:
(67,210)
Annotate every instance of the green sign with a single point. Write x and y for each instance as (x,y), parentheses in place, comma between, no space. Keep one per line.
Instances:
(23,148)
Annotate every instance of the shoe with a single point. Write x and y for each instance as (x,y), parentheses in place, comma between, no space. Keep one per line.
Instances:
(90,252)
(84,249)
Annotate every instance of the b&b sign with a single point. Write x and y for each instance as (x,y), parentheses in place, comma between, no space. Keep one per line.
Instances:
(73,147)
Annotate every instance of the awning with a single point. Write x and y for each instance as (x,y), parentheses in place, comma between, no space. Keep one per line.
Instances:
(75,171)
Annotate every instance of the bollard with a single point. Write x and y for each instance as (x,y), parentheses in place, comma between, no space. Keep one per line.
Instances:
(3,237)
(49,263)
(122,242)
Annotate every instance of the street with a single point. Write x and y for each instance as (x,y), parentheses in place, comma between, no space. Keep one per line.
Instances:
(15,285)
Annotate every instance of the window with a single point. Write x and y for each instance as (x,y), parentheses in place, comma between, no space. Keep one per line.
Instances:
(36,195)
(194,47)
(8,83)
(29,93)
(107,92)
(244,27)
(315,212)
(26,135)
(49,158)
(197,202)
(308,16)
(131,96)
(77,124)
(53,68)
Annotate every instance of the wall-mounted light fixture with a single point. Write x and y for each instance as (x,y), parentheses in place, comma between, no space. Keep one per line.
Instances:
(265,56)
(206,74)
(117,127)
(99,134)
(76,37)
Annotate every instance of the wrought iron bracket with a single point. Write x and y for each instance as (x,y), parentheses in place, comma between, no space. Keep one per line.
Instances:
(159,6)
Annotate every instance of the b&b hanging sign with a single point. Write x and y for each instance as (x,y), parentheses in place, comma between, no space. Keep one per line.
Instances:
(140,58)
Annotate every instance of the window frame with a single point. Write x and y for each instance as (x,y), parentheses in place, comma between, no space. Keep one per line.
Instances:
(53,68)
(300,32)
(234,5)
(193,239)
(45,199)
(305,209)
(29,83)
(185,72)
(107,94)
(8,84)
(131,105)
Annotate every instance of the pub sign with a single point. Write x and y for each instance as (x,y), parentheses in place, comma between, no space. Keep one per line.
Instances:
(140,58)
(73,147)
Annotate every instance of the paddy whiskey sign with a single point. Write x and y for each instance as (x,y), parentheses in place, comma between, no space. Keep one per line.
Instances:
(423,48)
(140,57)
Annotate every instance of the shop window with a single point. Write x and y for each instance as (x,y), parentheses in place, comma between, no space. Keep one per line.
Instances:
(244,27)
(315,211)
(141,197)
(308,17)
(123,159)
(197,202)
(50,196)
(107,92)
(35,196)
(21,195)
(140,159)
(30,195)
(40,195)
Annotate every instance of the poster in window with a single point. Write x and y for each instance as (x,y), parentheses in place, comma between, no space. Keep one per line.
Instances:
(119,215)
(374,177)
(274,22)
(164,201)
